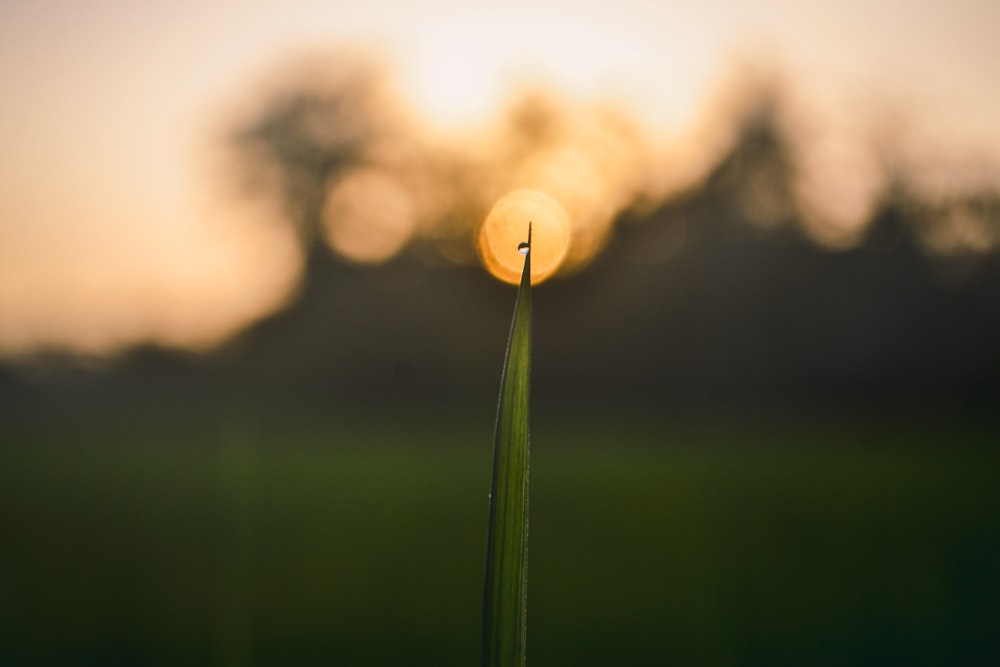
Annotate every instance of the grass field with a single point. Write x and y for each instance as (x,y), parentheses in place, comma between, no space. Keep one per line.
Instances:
(359,540)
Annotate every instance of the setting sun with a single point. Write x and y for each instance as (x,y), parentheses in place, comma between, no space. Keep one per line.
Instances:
(389,126)
(506,229)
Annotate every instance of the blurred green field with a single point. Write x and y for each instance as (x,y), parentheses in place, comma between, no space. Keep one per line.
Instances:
(359,541)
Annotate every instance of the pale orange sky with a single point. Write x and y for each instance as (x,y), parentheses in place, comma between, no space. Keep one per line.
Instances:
(112,230)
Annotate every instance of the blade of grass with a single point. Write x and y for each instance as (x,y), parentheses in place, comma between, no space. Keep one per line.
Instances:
(505,587)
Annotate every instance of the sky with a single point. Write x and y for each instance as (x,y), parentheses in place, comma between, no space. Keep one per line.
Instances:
(116,228)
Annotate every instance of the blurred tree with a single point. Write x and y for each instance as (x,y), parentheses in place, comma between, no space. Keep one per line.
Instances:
(716,294)
(308,134)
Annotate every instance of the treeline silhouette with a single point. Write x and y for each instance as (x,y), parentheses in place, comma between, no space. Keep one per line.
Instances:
(693,303)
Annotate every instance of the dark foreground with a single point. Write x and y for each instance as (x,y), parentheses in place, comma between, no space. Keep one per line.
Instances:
(358,540)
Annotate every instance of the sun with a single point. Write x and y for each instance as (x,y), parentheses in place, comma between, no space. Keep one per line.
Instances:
(506,228)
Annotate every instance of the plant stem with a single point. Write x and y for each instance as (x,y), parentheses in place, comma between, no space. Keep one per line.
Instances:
(505,586)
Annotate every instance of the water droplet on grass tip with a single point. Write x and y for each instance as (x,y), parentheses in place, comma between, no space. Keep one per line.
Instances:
(523,247)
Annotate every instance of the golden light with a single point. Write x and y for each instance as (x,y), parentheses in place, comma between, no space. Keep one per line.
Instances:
(96,254)
(506,226)
(589,157)
(368,217)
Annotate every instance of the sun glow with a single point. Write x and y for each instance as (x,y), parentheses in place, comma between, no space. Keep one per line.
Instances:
(505,230)
(368,217)
(105,240)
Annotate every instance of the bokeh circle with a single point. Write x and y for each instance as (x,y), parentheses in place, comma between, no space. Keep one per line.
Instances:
(506,226)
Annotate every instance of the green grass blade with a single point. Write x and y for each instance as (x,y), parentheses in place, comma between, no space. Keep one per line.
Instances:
(505,587)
